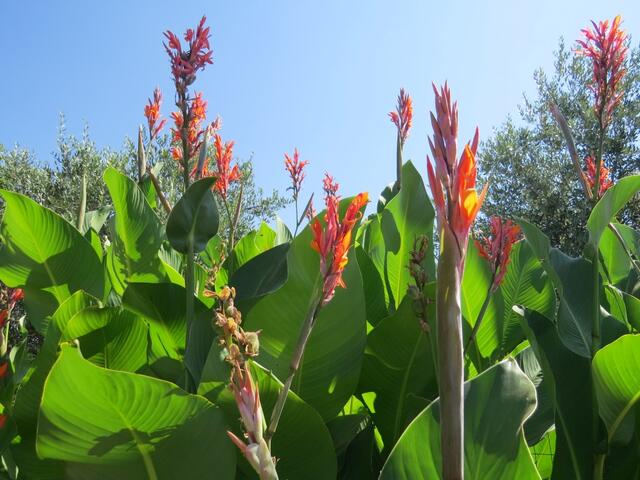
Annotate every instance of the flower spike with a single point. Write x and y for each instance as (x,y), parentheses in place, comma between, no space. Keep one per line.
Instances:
(605,45)
(497,247)
(333,241)
(295,167)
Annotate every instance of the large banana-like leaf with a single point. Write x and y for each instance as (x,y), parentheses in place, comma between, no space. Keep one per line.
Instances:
(194,219)
(331,364)
(571,278)
(128,426)
(616,377)
(137,235)
(46,256)
(399,368)
(390,236)
(569,383)
(525,284)
(29,396)
(610,204)
(497,403)
(302,442)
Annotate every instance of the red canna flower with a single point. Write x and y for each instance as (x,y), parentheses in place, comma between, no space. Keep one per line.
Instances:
(17,294)
(152,112)
(295,167)
(3,420)
(497,247)
(403,116)
(453,183)
(4,315)
(333,242)
(607,49)
(197,111)
(590,175)
(4,369)
(225,175)
(197,54)
(329,185)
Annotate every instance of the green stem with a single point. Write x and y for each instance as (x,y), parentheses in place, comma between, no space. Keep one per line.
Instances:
(83,202)
(450,357)
(303,338)
(189,284)
(598,469)
(398,162)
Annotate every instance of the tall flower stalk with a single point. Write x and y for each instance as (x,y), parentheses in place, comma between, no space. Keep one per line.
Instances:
(402,118)
(239,346)
(332,241)
(187,133)
(295,167)
(457,203)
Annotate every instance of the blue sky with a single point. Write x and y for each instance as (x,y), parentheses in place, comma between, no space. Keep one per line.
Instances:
(320,76)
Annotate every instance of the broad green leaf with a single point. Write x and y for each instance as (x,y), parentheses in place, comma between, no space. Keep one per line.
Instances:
(497,403)
(283,234)
(251,245)
(331,364)
(162,305)
(398,365)
(111,337)
(46,256)
(571,277)
(194,219)
(570,385)
(95,219)
(390,237)
(374,291)
(542,420)
(623,306)
(110,431)
(616,262)
(345,428)
(543,453)
(29,396)
(476,282)
(302,442)
(214,252)
(610,204)
(526,284)
(616,378)
(263,274)
(136,235)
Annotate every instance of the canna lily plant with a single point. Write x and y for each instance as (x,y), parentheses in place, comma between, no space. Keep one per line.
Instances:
(343,348)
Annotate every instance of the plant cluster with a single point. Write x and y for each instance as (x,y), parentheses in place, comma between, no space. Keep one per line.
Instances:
(349,348)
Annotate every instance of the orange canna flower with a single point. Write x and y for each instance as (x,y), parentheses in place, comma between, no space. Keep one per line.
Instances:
(403,116)
(334,240)
(152,112)
(607,49)
(197,111)
(224,173)
(590,174)
(453,182)
(497,247)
